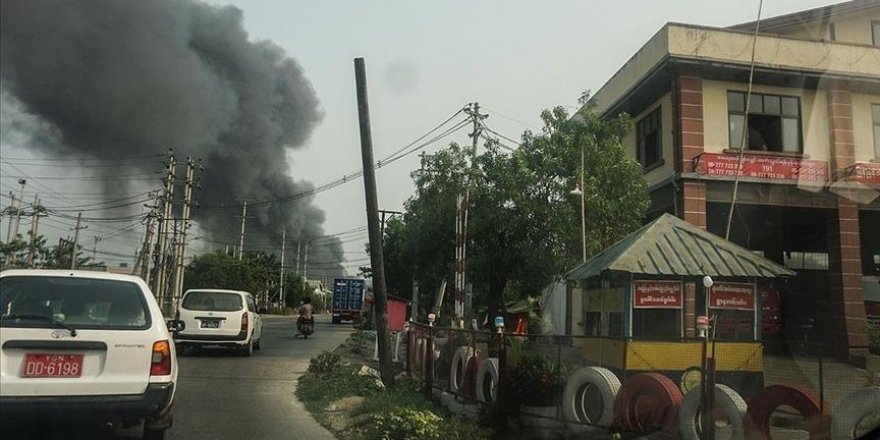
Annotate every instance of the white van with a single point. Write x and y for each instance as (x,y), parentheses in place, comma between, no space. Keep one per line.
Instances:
(84,346)
(218,317)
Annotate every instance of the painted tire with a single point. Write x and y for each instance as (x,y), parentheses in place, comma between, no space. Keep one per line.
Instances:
(487,381)
(418,358)
(853,409)
(458,367)
(804,401)
(581,414)
(726,399)
(469,381)
(648,401)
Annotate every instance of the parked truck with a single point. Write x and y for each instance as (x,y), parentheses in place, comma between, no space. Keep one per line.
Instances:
(348,299)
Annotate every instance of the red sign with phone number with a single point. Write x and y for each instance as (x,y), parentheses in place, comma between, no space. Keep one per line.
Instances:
(867,173)
(657,295)
(733,296)
(763,167)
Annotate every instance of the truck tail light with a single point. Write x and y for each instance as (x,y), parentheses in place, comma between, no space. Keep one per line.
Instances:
(244,322)
(161,361)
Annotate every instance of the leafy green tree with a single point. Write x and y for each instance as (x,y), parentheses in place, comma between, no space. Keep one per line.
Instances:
(523,222)
(45,257)
(257,273)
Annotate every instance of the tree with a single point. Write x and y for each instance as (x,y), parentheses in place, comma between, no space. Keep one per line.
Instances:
(45,257)
(523,223)
(257,273)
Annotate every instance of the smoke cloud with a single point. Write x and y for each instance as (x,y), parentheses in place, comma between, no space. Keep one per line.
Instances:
(108,78)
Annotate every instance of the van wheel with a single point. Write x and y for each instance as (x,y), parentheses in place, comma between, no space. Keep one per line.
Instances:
(257,344)
(248,350)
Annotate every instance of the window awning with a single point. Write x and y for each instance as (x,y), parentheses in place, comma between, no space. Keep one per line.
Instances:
(671,246)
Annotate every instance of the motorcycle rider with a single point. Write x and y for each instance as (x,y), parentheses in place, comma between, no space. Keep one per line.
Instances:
(305,314)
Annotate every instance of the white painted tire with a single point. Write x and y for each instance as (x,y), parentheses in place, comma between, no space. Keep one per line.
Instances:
(854,408)
(488,371)
(605,383)
(461,358)
(726,398)
(418,359)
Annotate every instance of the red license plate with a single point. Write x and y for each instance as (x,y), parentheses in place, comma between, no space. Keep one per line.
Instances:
(52,365)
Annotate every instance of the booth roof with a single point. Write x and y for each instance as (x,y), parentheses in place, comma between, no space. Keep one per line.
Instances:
(671,246)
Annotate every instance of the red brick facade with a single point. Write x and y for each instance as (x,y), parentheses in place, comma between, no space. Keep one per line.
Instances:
(687,116)
(844,249)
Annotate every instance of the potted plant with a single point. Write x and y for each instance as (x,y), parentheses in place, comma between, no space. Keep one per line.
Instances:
(535,382)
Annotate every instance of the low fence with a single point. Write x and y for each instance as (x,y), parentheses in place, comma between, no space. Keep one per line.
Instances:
(552,385)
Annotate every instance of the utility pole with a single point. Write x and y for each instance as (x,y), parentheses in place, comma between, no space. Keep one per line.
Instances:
(241,237)
(95,247)
(162,238)
(298,257)
(35,225)
(463,202)
(391,215)
(181,243)
(281,282)
(376,259)
(306,262)
(21,182)
(76,240)
(9,210)
(146,255)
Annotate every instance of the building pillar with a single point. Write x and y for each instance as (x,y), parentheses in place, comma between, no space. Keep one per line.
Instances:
(844,249)
(687,117)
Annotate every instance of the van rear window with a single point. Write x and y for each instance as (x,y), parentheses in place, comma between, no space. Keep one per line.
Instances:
(217,301)
(82,303)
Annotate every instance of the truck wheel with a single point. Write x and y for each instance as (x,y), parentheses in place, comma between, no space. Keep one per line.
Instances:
(248,350)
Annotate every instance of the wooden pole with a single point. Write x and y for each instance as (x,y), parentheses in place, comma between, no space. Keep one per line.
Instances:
(372,199)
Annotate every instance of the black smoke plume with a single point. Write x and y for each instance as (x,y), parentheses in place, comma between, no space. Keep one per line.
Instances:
(108,78)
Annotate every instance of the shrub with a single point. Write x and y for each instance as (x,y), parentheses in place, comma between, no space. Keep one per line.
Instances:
(405,424)
(534,380)
(325,365)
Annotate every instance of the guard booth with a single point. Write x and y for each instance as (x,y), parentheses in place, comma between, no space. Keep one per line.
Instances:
(641,298)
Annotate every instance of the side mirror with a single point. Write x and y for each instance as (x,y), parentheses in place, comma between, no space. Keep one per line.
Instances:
(263,311)
(176,325)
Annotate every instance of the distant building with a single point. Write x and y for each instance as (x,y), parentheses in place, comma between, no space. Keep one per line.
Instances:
(810,173)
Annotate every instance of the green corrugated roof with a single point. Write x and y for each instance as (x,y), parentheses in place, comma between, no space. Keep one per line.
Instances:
(671,246)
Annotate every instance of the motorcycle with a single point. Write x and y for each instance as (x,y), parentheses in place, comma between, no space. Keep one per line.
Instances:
(305,327)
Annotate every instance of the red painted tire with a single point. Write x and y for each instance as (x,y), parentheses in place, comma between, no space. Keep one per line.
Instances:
(647,402)
(803,400)
(469,382)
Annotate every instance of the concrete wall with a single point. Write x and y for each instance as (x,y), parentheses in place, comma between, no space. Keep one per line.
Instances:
(854,29)
(654,176)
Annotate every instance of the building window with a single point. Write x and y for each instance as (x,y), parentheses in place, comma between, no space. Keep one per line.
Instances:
(774,122)
(649,139)
(875,112)
(875,31)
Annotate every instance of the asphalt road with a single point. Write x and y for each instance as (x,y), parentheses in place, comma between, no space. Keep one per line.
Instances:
(223,396)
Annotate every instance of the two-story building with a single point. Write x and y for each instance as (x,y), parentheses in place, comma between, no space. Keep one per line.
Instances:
(808,179)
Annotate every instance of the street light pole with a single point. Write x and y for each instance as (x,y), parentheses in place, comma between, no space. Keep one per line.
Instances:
(583,210)
(580,190)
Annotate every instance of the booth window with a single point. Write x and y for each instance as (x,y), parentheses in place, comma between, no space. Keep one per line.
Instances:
(649,139)
(774,122)
(656,323)
(734,324)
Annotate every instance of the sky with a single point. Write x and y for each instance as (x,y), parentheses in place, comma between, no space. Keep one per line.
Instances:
(425,61)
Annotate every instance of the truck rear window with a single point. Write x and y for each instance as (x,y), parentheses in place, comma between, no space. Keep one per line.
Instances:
(216,301)
(82,303)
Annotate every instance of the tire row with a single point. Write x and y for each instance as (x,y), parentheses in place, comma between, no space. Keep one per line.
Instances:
(594,398)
